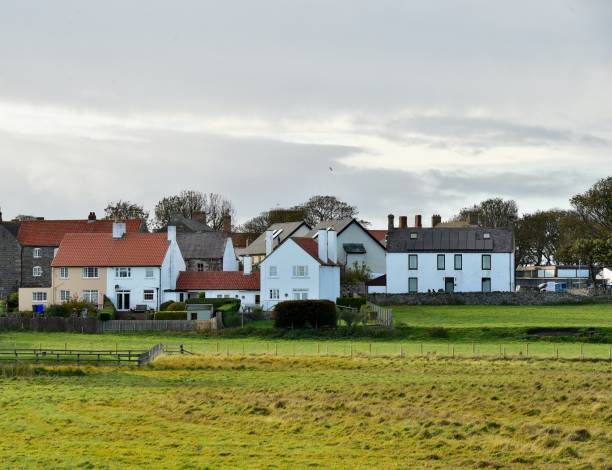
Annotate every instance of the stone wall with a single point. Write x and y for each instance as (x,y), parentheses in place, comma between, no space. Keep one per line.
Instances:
(491,298)
(10,262)
(28,262)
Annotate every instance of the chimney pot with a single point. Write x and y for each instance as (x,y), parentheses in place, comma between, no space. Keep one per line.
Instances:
(391,223)
(91,218)
(199,216)
(403,221)
(435,220)
(418,223)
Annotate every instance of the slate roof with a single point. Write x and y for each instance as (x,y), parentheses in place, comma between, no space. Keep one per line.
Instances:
(101,250)
(457,239)
(11,227)
(184,224)
(218,280)
(202,245)
(354,248)
(51,232)
(338,225)
(258,246)
(377,281)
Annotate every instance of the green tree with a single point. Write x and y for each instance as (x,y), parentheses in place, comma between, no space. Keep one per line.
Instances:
(123,210)
(492,213)
(320,208)
(538,237)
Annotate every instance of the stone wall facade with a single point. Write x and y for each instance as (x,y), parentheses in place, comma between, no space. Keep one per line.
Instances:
(28,262)
(10,262)
(491,298)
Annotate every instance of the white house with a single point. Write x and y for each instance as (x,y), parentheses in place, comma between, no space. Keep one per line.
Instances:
(300,268)
(355,244)
(280,232)
(449,259)
(221,284)
(131,269)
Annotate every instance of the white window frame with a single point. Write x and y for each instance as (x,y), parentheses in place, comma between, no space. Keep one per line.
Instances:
(37,271)
(38,296)
(482,261)
(416,281)
(37,253)
(300,271)
(149,292)
(119,273)
(93,269)
(482,284)
(200,267)
(88,296)
(300,294)
(63,272)
(149,273)
(273,271)
(274,294)
(64,295)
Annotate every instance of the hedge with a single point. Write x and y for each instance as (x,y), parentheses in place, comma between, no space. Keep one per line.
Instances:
(302,313)
(176,307)
(171,315)
(353,302)
(164,306)
(216,303)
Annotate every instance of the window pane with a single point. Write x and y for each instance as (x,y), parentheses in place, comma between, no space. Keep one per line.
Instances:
(486,261)
(441,261)
(486,284)
(413,285)
(413,262)
(458,262)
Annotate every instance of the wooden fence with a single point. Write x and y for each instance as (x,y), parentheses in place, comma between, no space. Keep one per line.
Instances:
(52,356)
(384,316)
(49,324)
(128,326)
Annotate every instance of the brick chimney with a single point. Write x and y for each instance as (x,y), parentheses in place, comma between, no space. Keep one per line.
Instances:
(403,221)
(418,221)
(391,223)
(91,218)
(435,220)
(227,223)
(199,216)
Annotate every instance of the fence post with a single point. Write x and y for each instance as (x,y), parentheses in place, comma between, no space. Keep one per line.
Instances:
(527,346)
(421,349)
(351,350)
(401,350)
(276,349)
(581,350)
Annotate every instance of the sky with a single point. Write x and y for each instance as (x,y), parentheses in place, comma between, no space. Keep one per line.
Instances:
(404,107)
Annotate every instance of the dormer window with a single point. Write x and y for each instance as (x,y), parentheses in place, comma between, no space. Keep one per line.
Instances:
(486,235)
(414,235)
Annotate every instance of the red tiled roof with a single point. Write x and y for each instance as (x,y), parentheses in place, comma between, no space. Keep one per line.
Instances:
(380,235)
(377,281)
(310,246)
(51,232)
(217,280)
(100,249)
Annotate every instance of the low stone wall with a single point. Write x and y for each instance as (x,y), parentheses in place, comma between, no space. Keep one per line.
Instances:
(491,298)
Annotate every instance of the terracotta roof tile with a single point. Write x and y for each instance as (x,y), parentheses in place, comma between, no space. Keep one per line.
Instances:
(218,280)
(380,235)
(100,249)
(311,247)
(51,232)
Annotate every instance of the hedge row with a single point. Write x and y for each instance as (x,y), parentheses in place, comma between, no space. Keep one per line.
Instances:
(171,315)
(302,313)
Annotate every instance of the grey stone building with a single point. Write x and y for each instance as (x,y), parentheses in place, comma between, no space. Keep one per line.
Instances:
(10,258)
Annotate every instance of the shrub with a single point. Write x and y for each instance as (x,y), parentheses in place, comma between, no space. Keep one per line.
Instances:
(75,306)
(353,302)
(164,306)
(12,301)
(58,310)
(216,303)
(105,316)
(231,319)
(351,317)
(300,313)
(176,307)
(232,307)
(171,315)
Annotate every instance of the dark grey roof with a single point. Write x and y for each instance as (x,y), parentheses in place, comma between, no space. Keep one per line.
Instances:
(183,224)
(12,227)
(354,248)
(202,245)
(258,246)
(457,239)
(337,225)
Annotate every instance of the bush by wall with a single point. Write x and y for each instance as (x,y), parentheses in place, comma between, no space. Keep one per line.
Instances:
(176,307)
(58,310)
(353,302)
(164,306)
(216,303)
(108,311)
(302,313)
(171,315)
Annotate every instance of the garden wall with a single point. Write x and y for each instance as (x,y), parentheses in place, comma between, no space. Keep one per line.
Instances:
(492,298)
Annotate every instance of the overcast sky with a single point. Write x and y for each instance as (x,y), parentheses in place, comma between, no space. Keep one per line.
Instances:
(417,106)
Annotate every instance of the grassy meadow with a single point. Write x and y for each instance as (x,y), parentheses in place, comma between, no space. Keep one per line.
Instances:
(284,412)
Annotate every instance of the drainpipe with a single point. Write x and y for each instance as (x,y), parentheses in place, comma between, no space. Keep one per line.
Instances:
(159,290)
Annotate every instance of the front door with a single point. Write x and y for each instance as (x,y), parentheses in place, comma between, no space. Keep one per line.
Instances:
(449,285)
(123,300)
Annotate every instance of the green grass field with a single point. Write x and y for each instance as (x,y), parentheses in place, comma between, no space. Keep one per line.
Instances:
(498,316)
(269,413)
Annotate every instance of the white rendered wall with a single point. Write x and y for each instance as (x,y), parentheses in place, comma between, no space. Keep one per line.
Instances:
(230,262)
(375,254)
(137,283)
(329,279)
(468,279)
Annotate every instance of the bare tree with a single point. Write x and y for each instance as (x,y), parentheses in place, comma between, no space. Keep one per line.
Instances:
(123,210)
(492,213)
(320,208)
(188,202)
